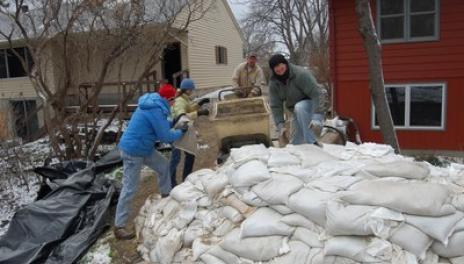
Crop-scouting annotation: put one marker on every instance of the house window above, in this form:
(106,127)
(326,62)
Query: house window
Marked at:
(221,55)
(416,106)
(10,64)
(408,20)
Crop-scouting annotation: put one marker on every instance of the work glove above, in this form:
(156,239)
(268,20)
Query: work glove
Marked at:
(183,127)
(203,101)
(316,126)
(204,112)
(283,135)
(174,122)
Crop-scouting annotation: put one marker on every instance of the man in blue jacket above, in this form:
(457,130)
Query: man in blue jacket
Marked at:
(149,123)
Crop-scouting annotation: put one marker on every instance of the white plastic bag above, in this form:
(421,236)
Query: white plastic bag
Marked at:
(186,192)
(232,214)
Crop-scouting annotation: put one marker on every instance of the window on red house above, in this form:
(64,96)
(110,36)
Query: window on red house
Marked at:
(416,106)
(408,20)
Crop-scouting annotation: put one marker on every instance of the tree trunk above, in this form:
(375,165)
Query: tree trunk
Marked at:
(376,83)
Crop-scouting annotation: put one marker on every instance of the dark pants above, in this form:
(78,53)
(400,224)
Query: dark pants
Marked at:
(175,159)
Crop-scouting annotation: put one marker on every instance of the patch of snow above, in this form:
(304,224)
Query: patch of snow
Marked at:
(99,253)
(14,195)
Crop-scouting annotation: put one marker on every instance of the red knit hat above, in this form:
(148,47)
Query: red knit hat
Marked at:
(167,91)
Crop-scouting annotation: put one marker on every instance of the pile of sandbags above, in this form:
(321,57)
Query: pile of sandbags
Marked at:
(305,204)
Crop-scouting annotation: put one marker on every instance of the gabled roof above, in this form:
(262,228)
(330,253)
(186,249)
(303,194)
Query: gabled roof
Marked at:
(234,20)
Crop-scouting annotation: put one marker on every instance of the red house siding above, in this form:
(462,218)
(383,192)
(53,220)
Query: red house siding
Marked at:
(414,62)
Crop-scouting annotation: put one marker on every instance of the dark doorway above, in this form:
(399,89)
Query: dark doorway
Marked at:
(26,123)
(172,61)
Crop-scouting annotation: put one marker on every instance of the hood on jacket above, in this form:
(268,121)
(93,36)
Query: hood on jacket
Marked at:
(154,100)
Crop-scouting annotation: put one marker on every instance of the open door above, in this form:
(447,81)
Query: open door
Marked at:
(172,61)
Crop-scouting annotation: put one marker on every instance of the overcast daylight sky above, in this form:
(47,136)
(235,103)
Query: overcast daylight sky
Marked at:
(238,9)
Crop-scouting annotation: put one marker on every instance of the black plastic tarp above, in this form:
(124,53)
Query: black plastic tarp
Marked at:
(60,227)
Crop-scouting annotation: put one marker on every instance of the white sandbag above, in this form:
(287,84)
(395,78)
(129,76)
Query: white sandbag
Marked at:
(249,152)
(454,249)
(400,256)
(316,256)
(282,158)
(210,259)
(412,197)
(223,255)
(196,176)
(277,189)
(193,231)
(298,254)
(214,184)
(459,226)
(264,222)
(297,220)
(254,248)
(334,183)
(348,220)
(168,246)
(282,209)
(201,245)
(183,256)
(252,199)
(186,192)
(383,220)
(296,171)
(311,204)
(170,208)
(458,260)
(232,214)
(235,202)
(366,250)
(185,215)
(400,168)
(439,228)
(225,227)
(248,174)
(308,237)
(457,200)
(310,154)
(411,239)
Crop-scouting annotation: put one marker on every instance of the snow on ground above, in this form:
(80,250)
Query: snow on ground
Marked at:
(99,253)
(14,195)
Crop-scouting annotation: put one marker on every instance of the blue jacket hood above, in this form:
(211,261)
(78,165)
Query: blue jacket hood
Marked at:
(154,100)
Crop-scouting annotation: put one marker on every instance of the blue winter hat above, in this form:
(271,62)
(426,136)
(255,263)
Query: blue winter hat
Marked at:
(187,84)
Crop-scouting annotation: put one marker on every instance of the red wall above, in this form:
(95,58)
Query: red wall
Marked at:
(413,62)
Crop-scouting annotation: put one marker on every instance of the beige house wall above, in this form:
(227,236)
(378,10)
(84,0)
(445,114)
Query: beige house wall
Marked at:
(217,28)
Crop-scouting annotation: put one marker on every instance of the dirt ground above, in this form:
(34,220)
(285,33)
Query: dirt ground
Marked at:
(123,252)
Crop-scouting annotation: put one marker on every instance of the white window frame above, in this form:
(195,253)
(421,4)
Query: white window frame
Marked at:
(5,58)
(407,111)
(406,24)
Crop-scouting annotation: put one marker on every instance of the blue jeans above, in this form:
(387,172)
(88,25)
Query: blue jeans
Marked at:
(132,166)
(302,117)
(175,159)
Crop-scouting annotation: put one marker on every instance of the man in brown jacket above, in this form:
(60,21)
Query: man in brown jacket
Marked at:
(247,75)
